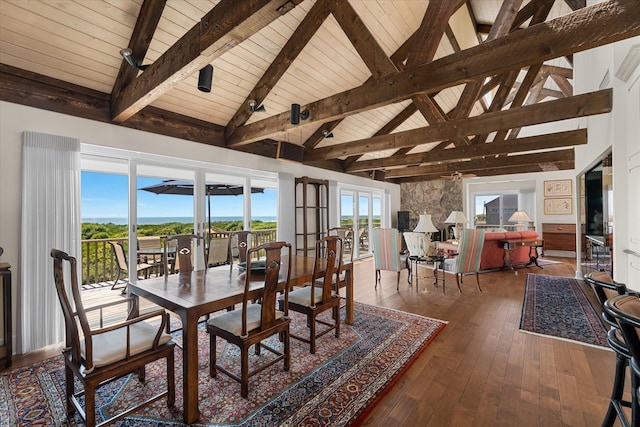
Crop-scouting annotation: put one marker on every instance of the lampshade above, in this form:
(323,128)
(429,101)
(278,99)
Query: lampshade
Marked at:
(425,225)
(519,216)
(456,217)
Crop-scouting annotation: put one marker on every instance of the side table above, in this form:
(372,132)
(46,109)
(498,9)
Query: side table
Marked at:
(5,273)
(436,260)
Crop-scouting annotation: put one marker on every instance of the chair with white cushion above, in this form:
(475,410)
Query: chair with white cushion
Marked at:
(254,323)
(94,357)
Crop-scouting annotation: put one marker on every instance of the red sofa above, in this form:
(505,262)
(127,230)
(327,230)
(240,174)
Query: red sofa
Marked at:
(493,252)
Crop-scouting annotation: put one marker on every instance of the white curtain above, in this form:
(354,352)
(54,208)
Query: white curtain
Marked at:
(50,219)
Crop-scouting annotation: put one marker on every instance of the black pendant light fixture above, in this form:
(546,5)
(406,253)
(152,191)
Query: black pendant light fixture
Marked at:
(205,78)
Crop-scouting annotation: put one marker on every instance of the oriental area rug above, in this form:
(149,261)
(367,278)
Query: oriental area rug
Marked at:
(336,386)
(558,307)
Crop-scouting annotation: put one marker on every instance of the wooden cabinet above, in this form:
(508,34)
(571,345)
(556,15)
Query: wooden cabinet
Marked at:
(312,213)
(559,237)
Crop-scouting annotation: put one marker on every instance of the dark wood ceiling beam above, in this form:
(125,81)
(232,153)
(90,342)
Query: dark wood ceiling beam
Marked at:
(146,24)
(590,27)
(362,40)
(229,23)
(46,93)
(576,4)
(560,71)
(532,77)
(576,106)
(281,63)
(563,83)
(532,98)
(508,170)
(530,143)
(474,165)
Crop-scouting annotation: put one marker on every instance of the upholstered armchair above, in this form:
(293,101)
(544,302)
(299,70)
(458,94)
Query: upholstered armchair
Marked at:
(467,260)
(388,254)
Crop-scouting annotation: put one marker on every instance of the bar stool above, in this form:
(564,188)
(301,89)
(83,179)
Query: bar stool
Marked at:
(605,288)
(626,310)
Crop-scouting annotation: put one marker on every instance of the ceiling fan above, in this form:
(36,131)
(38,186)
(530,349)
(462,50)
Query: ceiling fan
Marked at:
(457,176)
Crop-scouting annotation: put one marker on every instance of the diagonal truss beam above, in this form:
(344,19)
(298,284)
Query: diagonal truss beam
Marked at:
(229,23)
(590,27)
(566,108)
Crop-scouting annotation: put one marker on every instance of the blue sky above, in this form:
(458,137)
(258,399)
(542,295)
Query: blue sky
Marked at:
(105,196)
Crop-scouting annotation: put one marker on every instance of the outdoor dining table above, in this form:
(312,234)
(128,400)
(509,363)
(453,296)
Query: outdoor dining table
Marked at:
(192,295)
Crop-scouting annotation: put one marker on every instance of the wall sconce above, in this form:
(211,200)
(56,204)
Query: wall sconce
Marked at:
(457,218)
(520,217)
(255,108)
(127,55)
(327,134)
(205,78)
(296,114)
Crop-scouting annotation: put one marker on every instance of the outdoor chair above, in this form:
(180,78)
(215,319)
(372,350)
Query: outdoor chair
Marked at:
(388,254)
(150,249)
(218,251)
(319,295)
(467,260)
(625,309)
(123,266)
(95,357)
(254,323)
(605,288)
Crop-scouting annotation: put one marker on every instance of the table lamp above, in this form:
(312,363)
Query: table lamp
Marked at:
(520,217)
(425,225)
(457,218)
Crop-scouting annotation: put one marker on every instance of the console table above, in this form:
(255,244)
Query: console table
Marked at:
(5,273)
(533,244)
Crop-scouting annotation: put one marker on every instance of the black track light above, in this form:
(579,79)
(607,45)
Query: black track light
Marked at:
(127,55)
(296,114)
(327,134)
(205,78)
(255,108)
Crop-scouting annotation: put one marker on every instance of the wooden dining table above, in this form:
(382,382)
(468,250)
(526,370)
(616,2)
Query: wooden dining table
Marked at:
(192,295)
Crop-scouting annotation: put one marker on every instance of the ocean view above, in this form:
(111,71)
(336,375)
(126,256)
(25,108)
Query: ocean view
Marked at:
(163,220)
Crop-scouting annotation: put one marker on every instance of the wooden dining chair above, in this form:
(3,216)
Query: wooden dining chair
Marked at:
(239,243)
(344,233)
(255,322)
(123,267)
(185,246)
(625,309)
(94,357)
(320,295)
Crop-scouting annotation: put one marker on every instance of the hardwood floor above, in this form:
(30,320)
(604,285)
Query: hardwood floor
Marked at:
(480,370)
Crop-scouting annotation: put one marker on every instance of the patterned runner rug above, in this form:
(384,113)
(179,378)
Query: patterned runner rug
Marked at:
(558,307)
(336,386)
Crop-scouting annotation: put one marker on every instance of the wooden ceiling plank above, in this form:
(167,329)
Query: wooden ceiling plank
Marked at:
(530,143)
(146,24)
(590,27)
(226,25)
(474,165)
(566,108)
(362,40)
(279,66)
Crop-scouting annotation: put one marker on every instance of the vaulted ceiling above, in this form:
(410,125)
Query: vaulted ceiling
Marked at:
(406,90)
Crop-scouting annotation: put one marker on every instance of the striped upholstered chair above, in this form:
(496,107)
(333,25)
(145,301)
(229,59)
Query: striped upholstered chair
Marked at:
(468,258)
(387,252)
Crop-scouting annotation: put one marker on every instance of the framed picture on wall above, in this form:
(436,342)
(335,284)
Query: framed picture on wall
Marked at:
(557,188)
(560,206)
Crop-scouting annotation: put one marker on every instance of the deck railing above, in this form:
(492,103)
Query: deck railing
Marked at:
(99,264)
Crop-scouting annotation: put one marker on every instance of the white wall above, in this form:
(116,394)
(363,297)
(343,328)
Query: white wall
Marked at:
(15,119)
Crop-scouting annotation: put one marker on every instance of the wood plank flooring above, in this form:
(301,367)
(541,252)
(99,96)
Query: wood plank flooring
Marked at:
(480,370)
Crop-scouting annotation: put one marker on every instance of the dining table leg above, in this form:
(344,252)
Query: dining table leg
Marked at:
(190,366)
(349,313)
